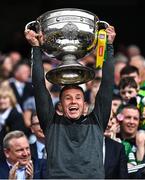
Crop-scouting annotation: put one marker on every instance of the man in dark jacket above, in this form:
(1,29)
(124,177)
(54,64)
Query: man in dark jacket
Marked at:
(74,142)
(18,163)
(115,160)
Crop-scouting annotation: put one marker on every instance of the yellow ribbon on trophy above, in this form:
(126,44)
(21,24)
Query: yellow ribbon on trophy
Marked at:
(101,48)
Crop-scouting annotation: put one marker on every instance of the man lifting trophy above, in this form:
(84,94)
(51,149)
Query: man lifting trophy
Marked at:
(74,140)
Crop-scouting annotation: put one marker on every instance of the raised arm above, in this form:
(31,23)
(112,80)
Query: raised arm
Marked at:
(104,96)
(44,105)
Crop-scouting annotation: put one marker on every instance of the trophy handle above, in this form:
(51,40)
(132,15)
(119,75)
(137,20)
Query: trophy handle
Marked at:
(105,24)
(33,24)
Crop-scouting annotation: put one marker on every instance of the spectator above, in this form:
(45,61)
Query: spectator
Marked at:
(128,89)
(38,145)
(5,67)
(20,83)
(92,86)
(10,118)
(115,166)
(28,109)
(139,62)
(15,57)
(113,128)
(54,91)
(133,50)
(131,71)
(115,160)
(120,62)
(116,102)
(129,128)
(18,163)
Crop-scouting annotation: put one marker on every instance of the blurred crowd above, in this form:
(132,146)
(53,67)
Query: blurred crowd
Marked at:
(127,119)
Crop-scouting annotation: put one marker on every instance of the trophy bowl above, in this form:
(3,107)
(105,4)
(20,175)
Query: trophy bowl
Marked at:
(68,35)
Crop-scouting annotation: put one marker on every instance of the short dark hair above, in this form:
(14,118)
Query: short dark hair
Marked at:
(19,64)
(57,105)
(70,87)
(128,106)
(116,97)
(128,70)
(128,81)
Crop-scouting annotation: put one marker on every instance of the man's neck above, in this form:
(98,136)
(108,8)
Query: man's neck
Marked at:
(126,136)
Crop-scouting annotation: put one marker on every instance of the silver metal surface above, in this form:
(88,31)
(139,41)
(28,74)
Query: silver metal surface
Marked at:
(68,34)
(67,31)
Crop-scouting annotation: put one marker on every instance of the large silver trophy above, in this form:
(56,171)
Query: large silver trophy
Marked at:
(68,35)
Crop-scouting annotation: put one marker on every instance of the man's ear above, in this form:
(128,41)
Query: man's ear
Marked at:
(6,152)
(120,117)
(86,108)
(60,109)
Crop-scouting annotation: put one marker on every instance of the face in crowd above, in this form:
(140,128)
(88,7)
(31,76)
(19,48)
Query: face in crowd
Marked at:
(127,93)
(130,122)
(134,75)
(18,151)
(35,127)
(7,99)
(115,105)
(112,126)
